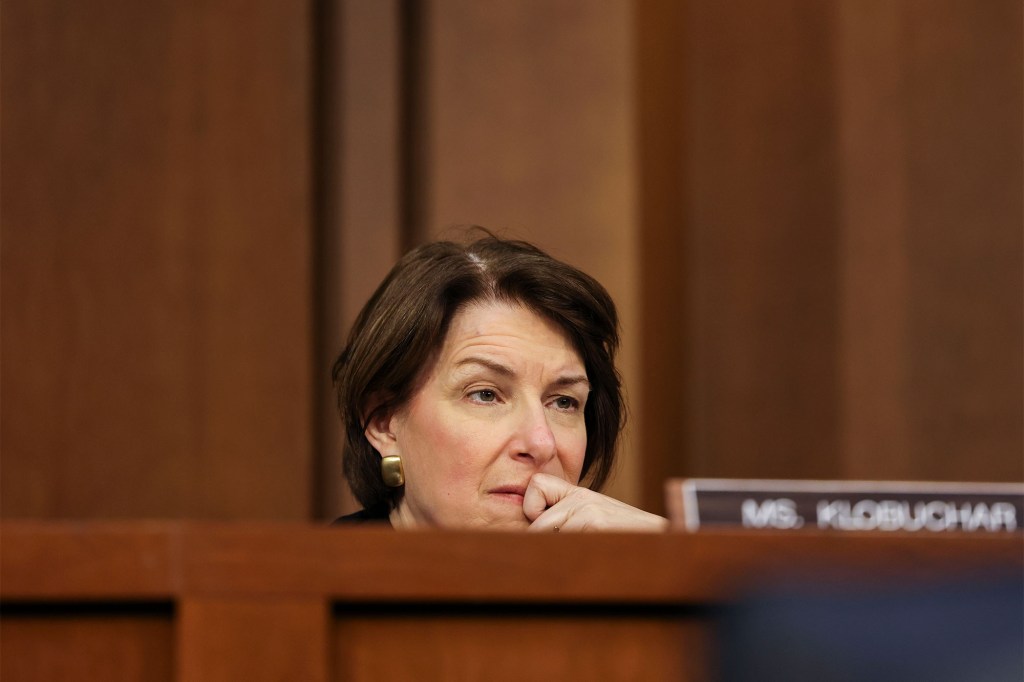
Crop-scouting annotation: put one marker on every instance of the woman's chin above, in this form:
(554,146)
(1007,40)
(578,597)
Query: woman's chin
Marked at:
(511,524)
(498,520)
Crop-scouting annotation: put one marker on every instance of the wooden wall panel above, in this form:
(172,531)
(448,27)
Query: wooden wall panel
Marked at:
(361,196)
(75,644)
(226,639)
(760,289)
(292,601)
(525,125)
(841,186)
(965,234)
(156,266)
(933,287)
(874,258)
(514,645)
(663,234)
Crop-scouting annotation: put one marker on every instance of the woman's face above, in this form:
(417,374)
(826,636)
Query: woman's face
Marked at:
(503,401)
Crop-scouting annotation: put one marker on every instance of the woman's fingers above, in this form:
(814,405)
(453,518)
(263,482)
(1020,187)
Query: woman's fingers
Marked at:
(553,505)
(544,491)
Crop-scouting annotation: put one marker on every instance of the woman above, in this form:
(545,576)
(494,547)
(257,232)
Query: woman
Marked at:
(478,389)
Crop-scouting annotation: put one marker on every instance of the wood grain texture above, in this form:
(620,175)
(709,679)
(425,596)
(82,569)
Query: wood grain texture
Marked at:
(82,561)
(671,568)
(361,197)
(875,259)
(224,639)
(512,646)
(847,221)
(75,561)
(78,647)
(761,287)
(958,111)
(664,231)
(933,207)
(255,601)
(156,273)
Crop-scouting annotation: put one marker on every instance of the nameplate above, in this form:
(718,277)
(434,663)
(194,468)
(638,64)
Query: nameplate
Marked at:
(881,506)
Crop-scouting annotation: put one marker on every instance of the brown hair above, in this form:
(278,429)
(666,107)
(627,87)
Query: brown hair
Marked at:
(400,331)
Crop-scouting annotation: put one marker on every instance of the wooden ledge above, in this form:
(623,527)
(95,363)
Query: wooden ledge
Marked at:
(169,560)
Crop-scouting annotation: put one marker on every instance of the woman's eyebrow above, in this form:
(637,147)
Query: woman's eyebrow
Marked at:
(496,367)
(573,381)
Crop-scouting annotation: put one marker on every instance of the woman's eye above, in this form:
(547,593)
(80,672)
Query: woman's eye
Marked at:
(484,395)
(564,402)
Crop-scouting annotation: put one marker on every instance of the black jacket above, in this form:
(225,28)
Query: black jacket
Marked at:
(372,515)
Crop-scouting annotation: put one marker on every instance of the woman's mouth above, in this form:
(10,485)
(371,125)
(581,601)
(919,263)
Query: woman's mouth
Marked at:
(512,494)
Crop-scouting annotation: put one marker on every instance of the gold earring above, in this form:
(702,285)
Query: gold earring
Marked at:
(392,472)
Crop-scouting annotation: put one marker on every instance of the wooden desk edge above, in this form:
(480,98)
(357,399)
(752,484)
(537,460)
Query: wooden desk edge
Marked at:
(168,560)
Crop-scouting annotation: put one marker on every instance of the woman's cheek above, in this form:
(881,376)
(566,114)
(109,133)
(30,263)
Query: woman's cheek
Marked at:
(573,445)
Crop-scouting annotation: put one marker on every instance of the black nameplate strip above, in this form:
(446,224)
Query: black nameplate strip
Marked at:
(886,506)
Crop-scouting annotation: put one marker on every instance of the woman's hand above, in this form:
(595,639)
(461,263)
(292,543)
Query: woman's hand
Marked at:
(553,504)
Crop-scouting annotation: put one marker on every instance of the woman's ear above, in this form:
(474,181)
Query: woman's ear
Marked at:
(380,432)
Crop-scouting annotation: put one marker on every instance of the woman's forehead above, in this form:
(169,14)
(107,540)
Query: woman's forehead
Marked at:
(492,330)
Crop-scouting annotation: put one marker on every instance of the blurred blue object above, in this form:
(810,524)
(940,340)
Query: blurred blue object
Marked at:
(969,631)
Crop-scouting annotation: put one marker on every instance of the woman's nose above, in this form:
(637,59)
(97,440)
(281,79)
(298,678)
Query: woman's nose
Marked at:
(535,439)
